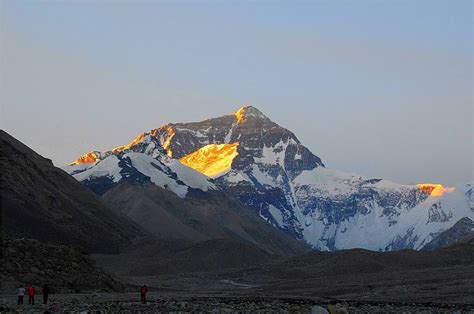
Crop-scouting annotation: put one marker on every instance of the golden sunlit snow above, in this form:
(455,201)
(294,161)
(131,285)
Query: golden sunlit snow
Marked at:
(434,189)
(165,142)
(88,158)
(212,159)
(240,115)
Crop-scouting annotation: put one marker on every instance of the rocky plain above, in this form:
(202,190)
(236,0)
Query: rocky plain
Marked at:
(172,302)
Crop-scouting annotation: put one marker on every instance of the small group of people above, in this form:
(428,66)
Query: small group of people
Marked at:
(30,291)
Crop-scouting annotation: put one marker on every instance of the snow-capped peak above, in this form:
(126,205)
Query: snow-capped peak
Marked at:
(246,112)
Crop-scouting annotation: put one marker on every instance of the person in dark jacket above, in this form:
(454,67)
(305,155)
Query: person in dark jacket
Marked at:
(45,293)
(31,294)
(143,292)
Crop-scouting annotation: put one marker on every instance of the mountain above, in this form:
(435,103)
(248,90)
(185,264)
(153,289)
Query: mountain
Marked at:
(265,166)
(43,202)
(172,200)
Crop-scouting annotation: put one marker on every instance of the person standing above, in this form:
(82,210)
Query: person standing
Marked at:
(21,294)
(45,293)
(31,294)
(143,292)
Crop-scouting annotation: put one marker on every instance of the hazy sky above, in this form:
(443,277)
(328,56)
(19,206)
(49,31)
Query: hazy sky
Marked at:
(381,88)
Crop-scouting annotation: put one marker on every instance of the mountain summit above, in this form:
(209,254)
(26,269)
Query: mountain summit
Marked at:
(249,157)
(249,112)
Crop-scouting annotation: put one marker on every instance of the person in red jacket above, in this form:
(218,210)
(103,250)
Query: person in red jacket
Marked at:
(143,292)
(31,294)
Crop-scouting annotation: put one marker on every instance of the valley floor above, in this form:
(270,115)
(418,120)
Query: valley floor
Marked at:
(169,302)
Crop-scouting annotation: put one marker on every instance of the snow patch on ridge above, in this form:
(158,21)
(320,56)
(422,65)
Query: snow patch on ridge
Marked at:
(277,215)
(107,167)
(328,181)
(274,155)
(191,177)
(147,166)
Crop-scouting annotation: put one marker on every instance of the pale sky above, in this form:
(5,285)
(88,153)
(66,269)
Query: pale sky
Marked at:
(380,88)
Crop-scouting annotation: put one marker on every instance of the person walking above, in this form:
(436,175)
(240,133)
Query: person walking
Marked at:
(21,294)
(45,293)
(31,294)
(143,292)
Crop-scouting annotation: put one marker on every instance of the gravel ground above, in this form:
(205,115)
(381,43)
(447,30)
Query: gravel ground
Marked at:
(129,303)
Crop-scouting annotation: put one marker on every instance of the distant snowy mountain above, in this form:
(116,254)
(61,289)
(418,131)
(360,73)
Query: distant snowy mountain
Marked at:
(345,211)
(265,166)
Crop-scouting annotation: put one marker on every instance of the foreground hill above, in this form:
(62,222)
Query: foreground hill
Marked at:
(43,202)
(442,276)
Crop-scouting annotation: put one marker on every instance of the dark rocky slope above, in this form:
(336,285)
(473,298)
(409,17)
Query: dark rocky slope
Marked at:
(64,268)
(200,216)
(43,202)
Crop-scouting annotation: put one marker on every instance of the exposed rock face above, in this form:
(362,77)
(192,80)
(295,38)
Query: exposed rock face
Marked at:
(290,188)
(43,202)
(64,268)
